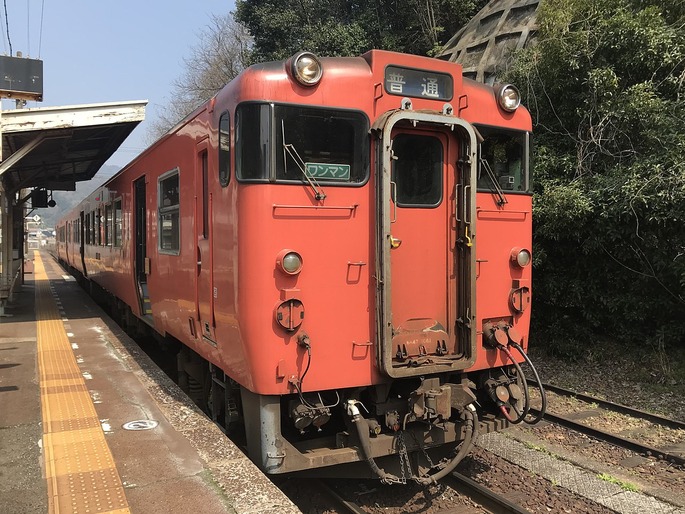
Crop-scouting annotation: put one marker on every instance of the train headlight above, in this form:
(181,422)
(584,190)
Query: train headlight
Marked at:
(289,261)
(520,257)
(508,97)
(306,68)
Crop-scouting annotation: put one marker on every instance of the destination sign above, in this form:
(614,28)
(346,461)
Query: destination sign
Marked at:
(328,171)
(418,83)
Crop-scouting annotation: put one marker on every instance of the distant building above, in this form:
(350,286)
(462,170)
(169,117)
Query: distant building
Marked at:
(37,236)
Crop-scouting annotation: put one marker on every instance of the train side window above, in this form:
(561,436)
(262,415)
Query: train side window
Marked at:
(224,149)
(94,226)
(108,225)
(252,141)
(117,223)
(417,171)
(169,212)
(87,229)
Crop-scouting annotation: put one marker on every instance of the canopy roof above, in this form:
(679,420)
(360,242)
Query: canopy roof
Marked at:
(55,147)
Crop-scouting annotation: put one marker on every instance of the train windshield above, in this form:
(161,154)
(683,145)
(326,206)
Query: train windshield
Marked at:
(303,143)
(504,161)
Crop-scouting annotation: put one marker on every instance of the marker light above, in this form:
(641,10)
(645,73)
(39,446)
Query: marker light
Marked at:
(520,257)
(289,261)
(508,97)
(306,68)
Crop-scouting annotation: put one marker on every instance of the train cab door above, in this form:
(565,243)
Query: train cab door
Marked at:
(425,168)
(82,242)
(68,238)
(141,261)
(204,284)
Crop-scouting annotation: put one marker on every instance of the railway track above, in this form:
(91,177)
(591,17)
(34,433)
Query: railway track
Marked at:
(597,407)
(487,499)
(329,491)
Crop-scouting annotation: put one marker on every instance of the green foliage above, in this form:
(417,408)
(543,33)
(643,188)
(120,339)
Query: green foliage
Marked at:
(336,28)
(219,55)
(626,486)
(605,84)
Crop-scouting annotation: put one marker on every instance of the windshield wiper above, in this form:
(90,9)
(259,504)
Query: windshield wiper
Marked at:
(498,191)
(289,149)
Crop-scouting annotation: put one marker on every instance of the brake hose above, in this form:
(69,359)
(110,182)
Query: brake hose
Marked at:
(365,444)
(543,394)
(470,437)
(526,403)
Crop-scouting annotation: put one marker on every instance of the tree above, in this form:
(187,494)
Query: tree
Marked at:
(605,84)
(337,27)
(218,57)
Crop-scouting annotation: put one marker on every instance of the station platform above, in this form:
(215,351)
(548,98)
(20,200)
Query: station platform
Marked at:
(89,424)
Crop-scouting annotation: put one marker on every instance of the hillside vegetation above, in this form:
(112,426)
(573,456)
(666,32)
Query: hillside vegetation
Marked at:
(606,87)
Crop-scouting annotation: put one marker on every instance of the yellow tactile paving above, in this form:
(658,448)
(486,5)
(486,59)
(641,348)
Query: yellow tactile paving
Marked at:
(80,470)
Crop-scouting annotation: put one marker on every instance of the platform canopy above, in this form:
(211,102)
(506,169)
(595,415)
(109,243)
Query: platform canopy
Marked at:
(55,147)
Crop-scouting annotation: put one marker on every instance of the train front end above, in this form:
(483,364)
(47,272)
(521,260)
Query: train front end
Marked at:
(384,220)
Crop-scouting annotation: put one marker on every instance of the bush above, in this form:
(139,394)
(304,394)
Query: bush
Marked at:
(605,84)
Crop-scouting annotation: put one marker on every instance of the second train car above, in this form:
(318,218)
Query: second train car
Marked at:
(341,249)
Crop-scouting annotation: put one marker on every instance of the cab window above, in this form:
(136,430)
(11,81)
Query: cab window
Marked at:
(505,153)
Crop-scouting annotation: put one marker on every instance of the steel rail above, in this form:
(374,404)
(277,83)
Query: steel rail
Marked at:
(615,407)
(332,493)
(488,499)
(614,439)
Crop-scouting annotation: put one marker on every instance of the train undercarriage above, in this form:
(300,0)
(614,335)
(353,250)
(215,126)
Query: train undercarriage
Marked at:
(407,429)
(412,429)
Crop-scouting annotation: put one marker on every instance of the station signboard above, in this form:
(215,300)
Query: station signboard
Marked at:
(21,78)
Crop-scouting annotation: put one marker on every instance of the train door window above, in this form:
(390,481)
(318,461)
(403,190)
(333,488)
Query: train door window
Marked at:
(417,170)
(224,149)
(252,141)
(87,231)
(117,223)
(504,162)
(169,212)
(205,195)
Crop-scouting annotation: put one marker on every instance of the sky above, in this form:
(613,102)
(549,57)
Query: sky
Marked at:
(96,51)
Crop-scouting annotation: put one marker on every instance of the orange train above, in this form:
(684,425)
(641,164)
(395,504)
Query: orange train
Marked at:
(340,251)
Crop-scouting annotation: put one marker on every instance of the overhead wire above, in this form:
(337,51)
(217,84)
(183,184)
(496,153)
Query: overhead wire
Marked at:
(7,24)
(28,27)
(4,38)
(40,36)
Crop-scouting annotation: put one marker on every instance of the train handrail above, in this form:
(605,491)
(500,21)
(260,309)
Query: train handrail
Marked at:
(350,208)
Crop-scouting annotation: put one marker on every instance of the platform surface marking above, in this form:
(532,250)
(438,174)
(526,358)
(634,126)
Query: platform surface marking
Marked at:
(79,468)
